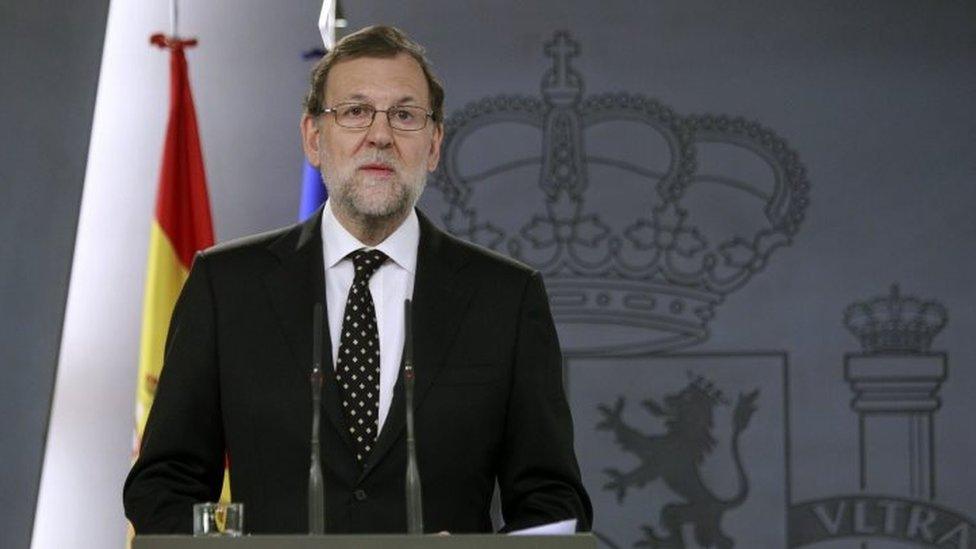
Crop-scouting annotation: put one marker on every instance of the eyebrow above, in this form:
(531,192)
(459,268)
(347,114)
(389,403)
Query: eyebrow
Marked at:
(358,97)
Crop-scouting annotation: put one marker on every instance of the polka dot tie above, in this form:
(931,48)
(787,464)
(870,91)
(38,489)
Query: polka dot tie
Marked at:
(358,365)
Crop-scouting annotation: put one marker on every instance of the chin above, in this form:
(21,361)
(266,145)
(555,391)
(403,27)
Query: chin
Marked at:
(370,200)
(386,208)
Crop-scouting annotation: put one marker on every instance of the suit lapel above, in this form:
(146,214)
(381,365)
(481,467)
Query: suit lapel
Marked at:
(294,287)
(439,302)
(438,305)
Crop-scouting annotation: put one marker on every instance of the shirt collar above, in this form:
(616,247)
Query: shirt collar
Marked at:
(400,247)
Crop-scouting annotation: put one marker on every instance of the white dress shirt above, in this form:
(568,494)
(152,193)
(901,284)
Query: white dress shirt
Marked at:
(390,286)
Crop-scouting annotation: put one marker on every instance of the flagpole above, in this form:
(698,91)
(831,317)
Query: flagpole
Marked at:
(173,19)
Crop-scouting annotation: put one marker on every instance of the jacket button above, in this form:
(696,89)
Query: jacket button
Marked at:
(360,495)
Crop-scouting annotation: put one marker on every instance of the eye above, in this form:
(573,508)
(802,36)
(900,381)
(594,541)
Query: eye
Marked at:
(355,111)
(404,115)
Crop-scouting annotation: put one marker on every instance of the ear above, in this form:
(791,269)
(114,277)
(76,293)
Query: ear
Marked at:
(435,147)
(310,138)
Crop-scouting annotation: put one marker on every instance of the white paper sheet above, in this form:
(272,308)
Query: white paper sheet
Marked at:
(561,528)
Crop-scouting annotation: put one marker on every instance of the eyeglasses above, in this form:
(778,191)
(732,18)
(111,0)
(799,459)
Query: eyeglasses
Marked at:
(361,115)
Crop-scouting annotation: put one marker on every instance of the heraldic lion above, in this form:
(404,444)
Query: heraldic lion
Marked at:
(676,457)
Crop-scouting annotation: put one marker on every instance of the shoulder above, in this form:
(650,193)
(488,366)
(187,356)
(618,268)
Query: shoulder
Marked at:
(482,259)
(252,243)
(476,264)
(263,249)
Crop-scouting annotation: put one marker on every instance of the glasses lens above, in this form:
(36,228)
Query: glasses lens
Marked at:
(354,115)
(360,115)
(407,118)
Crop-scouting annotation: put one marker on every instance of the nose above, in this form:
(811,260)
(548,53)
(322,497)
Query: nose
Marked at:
(380,134)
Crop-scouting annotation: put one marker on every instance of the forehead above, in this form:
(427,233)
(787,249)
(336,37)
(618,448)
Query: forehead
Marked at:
(377,79)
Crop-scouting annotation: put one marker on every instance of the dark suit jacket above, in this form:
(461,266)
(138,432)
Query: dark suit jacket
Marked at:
(489,397)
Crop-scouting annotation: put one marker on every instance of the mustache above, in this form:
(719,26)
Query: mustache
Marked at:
(377,157)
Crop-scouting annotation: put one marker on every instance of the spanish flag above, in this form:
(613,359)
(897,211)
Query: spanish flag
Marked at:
(181,226)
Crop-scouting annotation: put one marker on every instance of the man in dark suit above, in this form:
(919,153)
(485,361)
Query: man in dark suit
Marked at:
(489,401)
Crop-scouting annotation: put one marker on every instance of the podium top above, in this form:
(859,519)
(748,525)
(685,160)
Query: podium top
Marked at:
(369,541)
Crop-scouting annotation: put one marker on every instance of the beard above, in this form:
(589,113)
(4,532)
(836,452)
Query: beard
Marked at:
(368,199)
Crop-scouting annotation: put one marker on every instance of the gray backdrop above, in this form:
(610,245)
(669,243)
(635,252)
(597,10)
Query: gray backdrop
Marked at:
(738,176)
(49,62)
(830,156)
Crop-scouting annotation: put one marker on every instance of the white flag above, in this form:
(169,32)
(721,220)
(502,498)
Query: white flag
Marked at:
(327,23)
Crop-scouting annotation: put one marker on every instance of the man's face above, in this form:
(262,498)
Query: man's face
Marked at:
(376,172)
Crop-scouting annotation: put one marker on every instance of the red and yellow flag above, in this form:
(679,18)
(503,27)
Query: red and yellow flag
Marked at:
(182,226)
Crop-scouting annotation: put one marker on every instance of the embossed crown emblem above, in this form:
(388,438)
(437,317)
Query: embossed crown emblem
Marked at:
(896,324)
(640,219)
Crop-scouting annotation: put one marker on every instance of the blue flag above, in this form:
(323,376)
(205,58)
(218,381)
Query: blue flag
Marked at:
(313,192)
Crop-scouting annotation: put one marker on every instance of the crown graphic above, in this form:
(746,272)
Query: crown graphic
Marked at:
(895,323)
(641,220)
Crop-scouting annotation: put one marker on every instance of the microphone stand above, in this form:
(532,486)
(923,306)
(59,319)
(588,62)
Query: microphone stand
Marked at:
(316,485)
(415,512)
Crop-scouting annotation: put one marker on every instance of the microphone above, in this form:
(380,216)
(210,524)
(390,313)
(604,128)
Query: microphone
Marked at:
(316,486)
(415,506)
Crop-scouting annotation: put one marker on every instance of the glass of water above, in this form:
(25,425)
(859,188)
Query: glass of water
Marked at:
(218,519)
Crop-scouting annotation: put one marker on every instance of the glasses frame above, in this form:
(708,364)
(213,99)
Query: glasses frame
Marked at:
(389,119)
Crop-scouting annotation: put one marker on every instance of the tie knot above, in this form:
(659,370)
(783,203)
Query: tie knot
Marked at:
(366,262)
